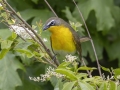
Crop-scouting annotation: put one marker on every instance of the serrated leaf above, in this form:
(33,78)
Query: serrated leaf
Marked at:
(68,85)
(85,86)
(9,78)
(69,14)
(69,74)
(35,13)
(102,10)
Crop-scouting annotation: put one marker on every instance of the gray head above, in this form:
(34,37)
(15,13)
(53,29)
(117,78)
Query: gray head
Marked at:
(53,21)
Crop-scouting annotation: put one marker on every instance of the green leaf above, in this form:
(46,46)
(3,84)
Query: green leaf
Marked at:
(32,47)
(22,45)
(98,46)
(3,53)
(57,83)
(117,72)
(105,69)
(69,14)
(69,74)
(21,5)
(89,79)
(81,75)
(6,44)
(118,88)
(5,33)
(35,1)
(113,50)
(5,15)
(86,68)
(12,37)
(64,65)
(103,86)
(112,85)
(102,10)
(85,86)
(75,88)
(33,70)
(26,52)
(35,13)
(9,78)
(68,85)
(96,79)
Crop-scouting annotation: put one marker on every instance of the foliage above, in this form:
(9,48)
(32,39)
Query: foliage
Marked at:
(20,60)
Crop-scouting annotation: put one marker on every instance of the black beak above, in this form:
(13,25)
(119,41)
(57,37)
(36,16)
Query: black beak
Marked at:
(45,27)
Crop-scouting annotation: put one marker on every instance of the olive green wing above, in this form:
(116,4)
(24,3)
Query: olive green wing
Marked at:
(51,45)
(76,39)
(77,44)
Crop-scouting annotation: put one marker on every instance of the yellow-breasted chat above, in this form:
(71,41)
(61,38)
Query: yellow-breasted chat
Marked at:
(64,39)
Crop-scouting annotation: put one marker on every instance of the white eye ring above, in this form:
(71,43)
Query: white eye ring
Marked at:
(51,23)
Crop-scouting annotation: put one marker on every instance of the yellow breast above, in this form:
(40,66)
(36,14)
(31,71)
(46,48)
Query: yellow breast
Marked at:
(62,39)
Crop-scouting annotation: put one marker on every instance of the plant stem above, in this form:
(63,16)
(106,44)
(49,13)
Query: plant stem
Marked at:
(99,69)
(50,8)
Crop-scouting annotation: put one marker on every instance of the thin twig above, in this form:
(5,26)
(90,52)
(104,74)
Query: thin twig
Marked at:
(89,73)
(50,62)
(99,69)
(47,61)
(39,44)
(29,27)
(50,8)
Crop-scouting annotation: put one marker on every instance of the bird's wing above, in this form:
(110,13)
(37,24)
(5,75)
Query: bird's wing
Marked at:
(76,38)
(77,43)
(51,45)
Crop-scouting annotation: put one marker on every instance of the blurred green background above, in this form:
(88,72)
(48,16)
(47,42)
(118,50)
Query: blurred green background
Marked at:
(103,21)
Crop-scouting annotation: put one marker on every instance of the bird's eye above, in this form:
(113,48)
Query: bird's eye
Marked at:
(52,23)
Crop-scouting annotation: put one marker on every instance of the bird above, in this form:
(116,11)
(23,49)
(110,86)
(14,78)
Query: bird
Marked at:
(64,39)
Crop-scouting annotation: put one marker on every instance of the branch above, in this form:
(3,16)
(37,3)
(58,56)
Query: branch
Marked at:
(30,28)
(50,8)
(99,69)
